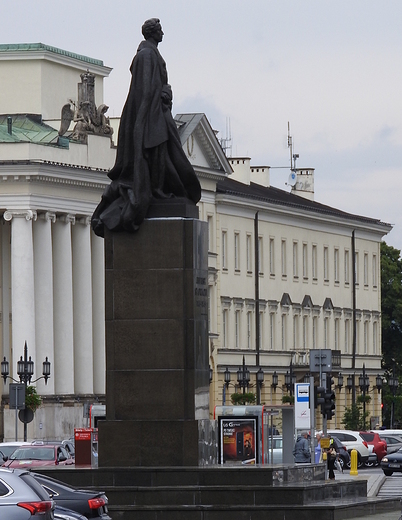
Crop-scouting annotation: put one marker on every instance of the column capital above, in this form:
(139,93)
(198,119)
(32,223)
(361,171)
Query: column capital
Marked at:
(85,221)
(28,214)
(48,216)
(68,218)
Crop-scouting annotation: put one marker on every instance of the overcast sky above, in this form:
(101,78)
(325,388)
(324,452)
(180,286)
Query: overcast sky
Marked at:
(332,69)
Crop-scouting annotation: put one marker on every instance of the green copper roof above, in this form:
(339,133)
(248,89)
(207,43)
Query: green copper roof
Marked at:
(7,47)
(27,128)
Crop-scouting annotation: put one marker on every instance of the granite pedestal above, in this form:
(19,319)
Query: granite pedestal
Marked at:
(157,372)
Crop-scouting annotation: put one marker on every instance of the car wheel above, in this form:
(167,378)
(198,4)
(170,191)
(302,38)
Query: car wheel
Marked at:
(369,464)
(387,473)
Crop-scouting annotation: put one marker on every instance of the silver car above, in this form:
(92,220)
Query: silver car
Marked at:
(22,498)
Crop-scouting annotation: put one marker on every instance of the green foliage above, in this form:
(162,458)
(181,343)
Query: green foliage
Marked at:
(354,418)
(288,399)
(391,323)
(363,398)
(247,398)
(32,399)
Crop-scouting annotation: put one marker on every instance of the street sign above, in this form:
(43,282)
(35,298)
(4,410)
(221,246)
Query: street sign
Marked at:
(320,361)
(17,396)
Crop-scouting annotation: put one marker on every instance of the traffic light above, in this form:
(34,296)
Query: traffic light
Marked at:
(319,400)
(329,400)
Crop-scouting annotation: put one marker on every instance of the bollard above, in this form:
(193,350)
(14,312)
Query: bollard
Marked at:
(353,462)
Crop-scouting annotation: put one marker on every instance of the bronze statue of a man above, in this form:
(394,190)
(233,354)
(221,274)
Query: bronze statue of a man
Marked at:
(150,162)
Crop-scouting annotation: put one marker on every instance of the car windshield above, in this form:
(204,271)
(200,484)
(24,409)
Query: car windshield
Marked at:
(33,454)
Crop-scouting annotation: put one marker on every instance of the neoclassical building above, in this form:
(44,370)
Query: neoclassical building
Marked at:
(56,147)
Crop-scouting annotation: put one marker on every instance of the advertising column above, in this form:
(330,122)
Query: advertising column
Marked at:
(238,440)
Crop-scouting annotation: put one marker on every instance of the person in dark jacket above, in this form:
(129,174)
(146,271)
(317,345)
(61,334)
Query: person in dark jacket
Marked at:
(301,451)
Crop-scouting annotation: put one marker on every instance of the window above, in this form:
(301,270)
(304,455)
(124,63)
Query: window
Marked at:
(249,329)
(326,330)
(347,281)
(295,259)
(225,315)
(224,250)
(347,336)
(305,333)
(237,251)
(375,337)
(283,257)
(272,331)
(237,329)
(249,253)
(271,256)
(325,264)
(260,336)
(336,334)
(260,256)
(357,268)
(305,262)
(366,336)
(210,222)
(295,332)
(374,267)
(314,262)
(283,324)
(315,332)
(365,269)
(336,265)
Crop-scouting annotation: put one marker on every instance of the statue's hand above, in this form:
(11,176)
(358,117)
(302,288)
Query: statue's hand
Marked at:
(167,95)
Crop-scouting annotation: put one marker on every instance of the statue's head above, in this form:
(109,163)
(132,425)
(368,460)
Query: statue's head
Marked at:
(151,28)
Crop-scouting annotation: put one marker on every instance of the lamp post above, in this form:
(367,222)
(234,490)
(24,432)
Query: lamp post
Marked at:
(364,384)
(25,371)
(393,383)
(243,376)
(290,379)
(340,381)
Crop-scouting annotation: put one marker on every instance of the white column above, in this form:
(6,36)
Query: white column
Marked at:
(98,313)
(63,305)
(22,284)
(6,284)
(43,271)
(82,305)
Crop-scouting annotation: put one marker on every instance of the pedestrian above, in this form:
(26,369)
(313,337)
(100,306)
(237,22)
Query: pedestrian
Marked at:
(331,457)
(301,451)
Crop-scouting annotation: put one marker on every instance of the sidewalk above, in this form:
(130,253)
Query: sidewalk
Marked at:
(374,482)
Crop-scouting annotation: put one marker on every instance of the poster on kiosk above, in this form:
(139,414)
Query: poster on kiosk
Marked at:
(238,440)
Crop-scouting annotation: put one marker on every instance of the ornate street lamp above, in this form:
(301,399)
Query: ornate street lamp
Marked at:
(243,376)
(393,384)
(25,371)
(364,384)
(349,382)
(274,383)
(260,377)
(290,379)
(378,383)
(340,381)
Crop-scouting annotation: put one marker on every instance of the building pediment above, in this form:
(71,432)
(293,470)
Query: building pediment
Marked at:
(202,147)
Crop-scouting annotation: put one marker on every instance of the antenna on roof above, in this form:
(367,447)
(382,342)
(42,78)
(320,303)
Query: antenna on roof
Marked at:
(293,157)
(226,142)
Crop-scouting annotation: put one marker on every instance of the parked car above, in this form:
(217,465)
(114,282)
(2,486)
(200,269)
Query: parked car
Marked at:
(392,463)
(22,498)
(7,448)
(61,513)
(379,446)
(353,441)
(36,455)
(344,456)
(394,442)
(92,504)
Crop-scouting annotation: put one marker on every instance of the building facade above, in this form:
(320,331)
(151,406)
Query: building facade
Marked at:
(303,292)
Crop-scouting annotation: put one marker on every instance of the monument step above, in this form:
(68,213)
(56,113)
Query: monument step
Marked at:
(230,495)
(328,510)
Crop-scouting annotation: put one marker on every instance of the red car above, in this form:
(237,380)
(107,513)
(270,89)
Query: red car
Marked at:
(39,455)
(379,445)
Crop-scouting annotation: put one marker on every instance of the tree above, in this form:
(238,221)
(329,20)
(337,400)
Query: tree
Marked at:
(354,418)
(391,312)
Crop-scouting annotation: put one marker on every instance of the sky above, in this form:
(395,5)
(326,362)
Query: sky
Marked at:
(329,68)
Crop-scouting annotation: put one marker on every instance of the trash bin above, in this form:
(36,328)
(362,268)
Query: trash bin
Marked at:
(84,445)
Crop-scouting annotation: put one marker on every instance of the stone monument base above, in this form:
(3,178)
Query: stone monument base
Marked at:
(157,371)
